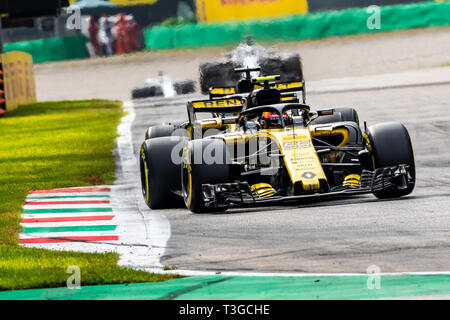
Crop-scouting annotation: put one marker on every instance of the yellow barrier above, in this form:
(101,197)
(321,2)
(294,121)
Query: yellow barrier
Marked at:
(126,2)
(18,79)
(222,10)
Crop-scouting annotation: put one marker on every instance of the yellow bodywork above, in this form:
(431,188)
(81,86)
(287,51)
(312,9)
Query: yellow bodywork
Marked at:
(227,90)
(300,157)
(352,181)
(219,103)
(207,124)
(299,154)
(263,190)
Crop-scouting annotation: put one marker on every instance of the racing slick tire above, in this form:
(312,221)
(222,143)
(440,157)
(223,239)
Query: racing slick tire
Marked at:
(160,173)
(348,114)
(196,172)
(290,68)
(184,87)
(163,130)
(339,115)
(391,145)
(217,74)
(146,92)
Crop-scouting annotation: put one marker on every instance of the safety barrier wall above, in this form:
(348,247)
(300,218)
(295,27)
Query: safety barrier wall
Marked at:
(299,27)
(53,49)
(223,10)
(18,84)
(322,5)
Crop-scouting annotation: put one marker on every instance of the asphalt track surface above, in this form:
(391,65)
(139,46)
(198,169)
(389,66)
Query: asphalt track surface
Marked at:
(336,57)
(410,234)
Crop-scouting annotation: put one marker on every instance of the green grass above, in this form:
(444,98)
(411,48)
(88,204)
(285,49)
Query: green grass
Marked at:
(25,268)
(55,145)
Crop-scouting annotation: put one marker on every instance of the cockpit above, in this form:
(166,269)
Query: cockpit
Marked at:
(274,117)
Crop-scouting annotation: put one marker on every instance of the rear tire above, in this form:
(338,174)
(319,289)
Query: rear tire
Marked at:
(391,146)
(196,172)
(217,74)
(160,174)
(339,115)
(348,114)
(184,87)
(146,92)
(164,130)
(290,69)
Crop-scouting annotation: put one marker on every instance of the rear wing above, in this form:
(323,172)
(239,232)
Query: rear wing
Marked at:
(287,86)
(222,92)
(291,86)
(224,105)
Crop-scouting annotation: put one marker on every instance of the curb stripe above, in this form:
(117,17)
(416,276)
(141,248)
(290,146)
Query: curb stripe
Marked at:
(74,214)
(75,190)
(70,229)
(66,210)
(70,239)
(67,219)
(42,203)
(71,196)
(64,235)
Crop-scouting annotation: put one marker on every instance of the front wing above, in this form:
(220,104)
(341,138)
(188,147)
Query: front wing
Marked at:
(239,194)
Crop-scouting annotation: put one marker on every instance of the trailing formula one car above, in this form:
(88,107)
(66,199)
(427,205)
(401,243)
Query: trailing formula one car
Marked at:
(249,55)
(163,86)
(258,149)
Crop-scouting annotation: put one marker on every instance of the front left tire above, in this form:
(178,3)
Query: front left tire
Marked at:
(160,165)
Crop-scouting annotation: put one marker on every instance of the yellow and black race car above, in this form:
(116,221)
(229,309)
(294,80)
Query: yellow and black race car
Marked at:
(259,149)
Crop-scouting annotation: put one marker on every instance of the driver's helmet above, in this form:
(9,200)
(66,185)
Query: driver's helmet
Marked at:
(249,41)
(272,119)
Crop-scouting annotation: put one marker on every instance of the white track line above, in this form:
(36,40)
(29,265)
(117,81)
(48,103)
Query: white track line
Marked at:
(145,233)
(281,274)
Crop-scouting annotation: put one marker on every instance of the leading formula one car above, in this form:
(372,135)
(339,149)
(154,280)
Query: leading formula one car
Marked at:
(220,73)
(258,150)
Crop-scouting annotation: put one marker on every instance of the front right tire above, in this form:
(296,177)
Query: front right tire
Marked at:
(204,161)
(390,145)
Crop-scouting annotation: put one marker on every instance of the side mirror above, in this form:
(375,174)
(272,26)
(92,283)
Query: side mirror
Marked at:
(364,159)
(328,112)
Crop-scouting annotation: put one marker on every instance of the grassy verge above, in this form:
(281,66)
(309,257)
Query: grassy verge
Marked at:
(26,268)
(55,145)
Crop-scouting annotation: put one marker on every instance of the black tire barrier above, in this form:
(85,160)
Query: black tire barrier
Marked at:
(146,92)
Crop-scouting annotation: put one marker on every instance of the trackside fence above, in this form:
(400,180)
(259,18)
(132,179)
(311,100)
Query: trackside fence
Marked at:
(300,27)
